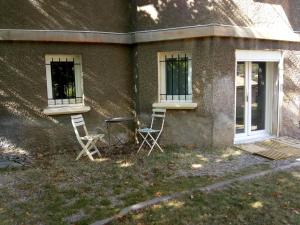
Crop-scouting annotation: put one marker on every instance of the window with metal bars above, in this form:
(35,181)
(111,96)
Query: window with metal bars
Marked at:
(175,77)
(64,80)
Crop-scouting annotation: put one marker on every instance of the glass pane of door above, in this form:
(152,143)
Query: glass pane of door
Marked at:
(240,98)
(258,96)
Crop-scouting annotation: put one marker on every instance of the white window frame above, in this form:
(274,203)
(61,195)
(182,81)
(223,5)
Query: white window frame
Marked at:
(262,56)
(78,80)
(162,78)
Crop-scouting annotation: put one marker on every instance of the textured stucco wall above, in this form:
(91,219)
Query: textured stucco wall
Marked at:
(108,84)
(184,127)
(154,14)
(223,86)
(110,71)
(121,16)
(290,7)
(99,15)
(212,123)
(291,89)
(23,92)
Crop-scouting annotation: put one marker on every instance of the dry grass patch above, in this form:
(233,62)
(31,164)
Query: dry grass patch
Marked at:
(60,190)
(274,199)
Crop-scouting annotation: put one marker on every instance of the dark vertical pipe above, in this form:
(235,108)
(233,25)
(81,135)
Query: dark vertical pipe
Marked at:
(166,78)
(172,77)
(178,76)
(185,75)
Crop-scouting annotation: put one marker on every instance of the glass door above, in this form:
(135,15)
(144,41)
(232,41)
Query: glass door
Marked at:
(240,127)
(258,96)
(250,98)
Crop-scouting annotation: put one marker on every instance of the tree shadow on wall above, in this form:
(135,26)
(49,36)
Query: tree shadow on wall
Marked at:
(24,128)
(156,14)
(291,90)
(291,9)
(23,95)
(67,14)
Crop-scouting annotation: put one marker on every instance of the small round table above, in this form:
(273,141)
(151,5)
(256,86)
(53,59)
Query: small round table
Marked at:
(113,120)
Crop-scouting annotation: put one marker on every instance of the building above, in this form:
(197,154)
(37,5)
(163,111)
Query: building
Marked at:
(228,71)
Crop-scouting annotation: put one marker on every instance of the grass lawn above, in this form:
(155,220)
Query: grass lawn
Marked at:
(59,190)
(274,199)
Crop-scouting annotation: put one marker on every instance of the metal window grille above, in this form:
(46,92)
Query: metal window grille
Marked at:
(63,82)
(177,87)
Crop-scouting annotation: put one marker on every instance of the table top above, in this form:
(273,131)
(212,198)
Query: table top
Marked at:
(118,119)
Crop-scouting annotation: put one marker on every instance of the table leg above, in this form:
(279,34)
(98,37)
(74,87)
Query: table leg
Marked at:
(108,134)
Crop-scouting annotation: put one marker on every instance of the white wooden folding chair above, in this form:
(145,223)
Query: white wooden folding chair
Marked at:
(151,135)
(90,140)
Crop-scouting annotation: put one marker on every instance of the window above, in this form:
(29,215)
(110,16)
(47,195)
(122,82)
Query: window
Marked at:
(175,76)
(64,81)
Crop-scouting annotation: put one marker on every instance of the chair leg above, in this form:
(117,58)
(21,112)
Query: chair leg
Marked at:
(140,147)
(155,143)
(148,143)
(150,150)
(85,150)
(80,154)
(159,147)
(90,156)
(95,147)
(144,140)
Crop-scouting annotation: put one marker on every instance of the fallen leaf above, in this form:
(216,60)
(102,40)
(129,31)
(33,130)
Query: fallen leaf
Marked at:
(157,194)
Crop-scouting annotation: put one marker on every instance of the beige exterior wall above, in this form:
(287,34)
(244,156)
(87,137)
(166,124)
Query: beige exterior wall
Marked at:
(23,93)
(291,89)
(115,15)
(92,15)
(269,14)
(111,70)
(223,86)
(108,84)
(183,127)
(213,121)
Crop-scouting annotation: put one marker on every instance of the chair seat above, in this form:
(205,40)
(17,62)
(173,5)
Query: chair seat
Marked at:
(148,130)
(92,137)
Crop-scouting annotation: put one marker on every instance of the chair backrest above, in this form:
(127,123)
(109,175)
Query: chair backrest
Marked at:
(78,121)
(158,113)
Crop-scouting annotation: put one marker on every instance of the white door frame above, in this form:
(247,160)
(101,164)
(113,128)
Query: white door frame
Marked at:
(249,56)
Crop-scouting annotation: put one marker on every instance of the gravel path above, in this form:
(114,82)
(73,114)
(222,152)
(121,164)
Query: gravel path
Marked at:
(11,153)
(218,167)
(10,157)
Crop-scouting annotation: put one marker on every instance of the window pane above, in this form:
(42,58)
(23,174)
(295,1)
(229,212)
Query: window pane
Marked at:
(258,96)
(240,98)
(63,80)
(177,76)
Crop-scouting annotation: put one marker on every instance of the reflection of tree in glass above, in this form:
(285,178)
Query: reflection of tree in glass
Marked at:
(177,76)
(63,80)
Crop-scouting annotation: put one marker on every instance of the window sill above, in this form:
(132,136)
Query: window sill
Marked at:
(175,105)
(60,110)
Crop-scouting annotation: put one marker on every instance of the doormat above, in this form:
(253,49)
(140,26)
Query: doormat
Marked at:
(274,154)
(275,149)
